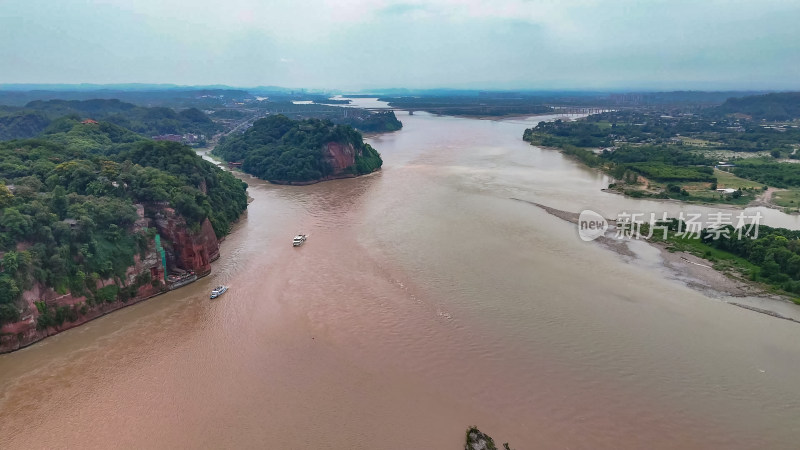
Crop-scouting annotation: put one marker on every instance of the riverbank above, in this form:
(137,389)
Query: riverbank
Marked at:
(767,200)
(695,195)
(242,173)
(47,312)
(694,271)
(12,340)
(343,176)
(755,202)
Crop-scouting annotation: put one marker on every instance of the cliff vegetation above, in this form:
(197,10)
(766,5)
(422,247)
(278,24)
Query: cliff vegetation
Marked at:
(71,207)
(280,149)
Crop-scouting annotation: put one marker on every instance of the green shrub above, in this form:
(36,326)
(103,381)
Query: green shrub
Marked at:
(108,293)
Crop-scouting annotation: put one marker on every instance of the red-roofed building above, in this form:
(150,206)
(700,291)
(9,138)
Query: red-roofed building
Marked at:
(89,122)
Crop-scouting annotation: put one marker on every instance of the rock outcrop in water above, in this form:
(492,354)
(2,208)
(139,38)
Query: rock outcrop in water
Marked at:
(476,440)
(47,312)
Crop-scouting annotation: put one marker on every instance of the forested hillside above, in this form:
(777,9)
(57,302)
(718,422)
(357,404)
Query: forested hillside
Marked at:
(36,116)
(280,149)
(16,124)
(67,202)
(778,106)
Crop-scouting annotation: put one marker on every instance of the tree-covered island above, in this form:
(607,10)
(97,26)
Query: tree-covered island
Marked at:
(282,150)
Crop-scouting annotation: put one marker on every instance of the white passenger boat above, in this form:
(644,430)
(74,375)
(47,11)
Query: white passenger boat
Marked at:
(219,290)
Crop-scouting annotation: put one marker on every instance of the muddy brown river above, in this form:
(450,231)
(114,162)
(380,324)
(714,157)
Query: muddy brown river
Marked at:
(425,300)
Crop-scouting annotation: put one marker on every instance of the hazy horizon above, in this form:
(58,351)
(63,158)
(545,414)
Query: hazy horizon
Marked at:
(387,91)
(358,45)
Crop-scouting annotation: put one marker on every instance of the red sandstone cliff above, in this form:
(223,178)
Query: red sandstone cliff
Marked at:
(188,251)
(25,332)
(340,156)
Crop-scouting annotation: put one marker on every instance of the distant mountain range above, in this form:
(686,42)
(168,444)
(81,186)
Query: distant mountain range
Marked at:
(38,116)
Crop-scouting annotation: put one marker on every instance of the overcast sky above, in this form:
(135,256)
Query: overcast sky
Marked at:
(354,44)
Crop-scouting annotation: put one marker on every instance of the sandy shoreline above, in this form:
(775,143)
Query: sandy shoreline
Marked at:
(695,272)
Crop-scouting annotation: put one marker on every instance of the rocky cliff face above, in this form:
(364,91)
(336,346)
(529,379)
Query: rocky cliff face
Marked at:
(340,156)
(187,250)
(25,332)
(191,251)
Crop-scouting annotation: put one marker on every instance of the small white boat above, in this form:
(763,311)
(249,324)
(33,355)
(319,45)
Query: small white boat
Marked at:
(299,240)
(219,290)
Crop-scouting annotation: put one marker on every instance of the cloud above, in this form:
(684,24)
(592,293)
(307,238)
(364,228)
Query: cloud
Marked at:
(411,43)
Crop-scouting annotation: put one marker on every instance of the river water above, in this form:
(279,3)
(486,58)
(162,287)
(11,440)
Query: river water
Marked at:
(425,300)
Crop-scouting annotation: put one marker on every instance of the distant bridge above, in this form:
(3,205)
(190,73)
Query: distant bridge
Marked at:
(488,109)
